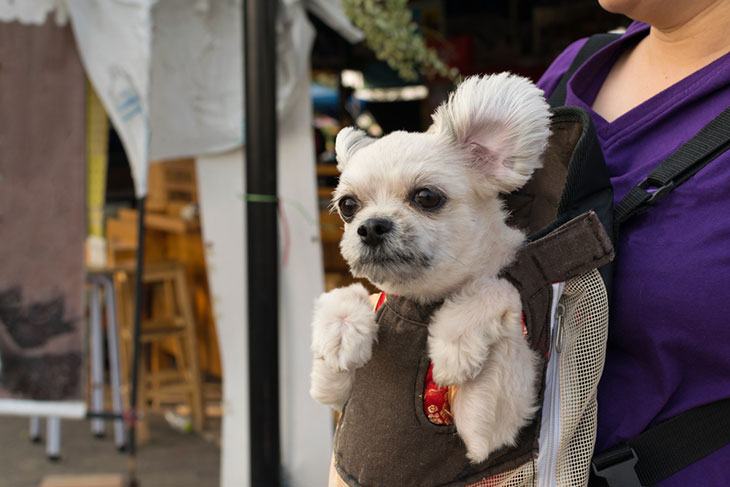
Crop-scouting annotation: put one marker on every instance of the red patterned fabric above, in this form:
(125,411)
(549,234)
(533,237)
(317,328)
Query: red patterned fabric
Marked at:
(381,300)
(436,401)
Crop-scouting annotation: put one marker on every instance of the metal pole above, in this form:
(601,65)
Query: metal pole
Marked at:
(138,302)
(259,46)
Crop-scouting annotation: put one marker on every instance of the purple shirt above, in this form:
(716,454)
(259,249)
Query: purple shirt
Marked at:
(669,335)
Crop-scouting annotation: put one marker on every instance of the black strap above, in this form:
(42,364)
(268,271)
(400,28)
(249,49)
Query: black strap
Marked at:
(593,45)
(703,148)
(665,449)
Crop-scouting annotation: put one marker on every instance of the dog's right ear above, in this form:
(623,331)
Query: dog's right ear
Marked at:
(503,122)
(349,141)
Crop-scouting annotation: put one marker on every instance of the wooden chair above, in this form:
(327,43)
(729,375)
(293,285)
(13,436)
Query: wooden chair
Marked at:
(170,367)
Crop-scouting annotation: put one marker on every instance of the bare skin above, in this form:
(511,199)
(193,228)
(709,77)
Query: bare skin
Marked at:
(685,36)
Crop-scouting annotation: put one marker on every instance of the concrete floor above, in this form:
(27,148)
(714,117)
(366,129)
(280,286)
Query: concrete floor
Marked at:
(169,459)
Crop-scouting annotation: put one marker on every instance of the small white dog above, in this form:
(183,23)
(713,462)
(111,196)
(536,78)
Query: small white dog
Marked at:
(423,220)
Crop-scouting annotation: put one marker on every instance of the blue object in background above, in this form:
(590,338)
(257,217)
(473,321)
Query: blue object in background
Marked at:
(325,100)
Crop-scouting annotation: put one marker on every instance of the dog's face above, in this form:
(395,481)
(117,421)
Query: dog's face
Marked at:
(421,210)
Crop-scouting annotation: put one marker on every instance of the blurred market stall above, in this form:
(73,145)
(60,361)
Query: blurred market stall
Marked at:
(169,76)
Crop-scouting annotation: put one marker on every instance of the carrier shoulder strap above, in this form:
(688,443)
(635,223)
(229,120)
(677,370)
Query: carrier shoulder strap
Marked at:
(666,448)
(594,44)
(711,141)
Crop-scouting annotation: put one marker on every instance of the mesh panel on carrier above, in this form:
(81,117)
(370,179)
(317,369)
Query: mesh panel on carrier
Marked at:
(583,349)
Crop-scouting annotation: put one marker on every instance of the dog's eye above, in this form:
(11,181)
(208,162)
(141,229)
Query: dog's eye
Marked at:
(428,199)
(348,207)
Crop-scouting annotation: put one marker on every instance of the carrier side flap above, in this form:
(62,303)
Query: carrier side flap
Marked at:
(570,250)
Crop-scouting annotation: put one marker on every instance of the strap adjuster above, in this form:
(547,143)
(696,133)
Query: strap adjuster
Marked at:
(655,193)
(617,466)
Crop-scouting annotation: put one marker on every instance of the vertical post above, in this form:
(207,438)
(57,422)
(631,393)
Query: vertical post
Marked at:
(259,46)
(133,380)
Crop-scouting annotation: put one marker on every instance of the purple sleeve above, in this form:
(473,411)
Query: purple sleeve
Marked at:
(551,77)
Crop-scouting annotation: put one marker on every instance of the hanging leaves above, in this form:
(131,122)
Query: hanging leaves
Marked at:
(394,38)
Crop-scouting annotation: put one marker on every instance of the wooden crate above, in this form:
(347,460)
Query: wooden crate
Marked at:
(170,184)
(121,234)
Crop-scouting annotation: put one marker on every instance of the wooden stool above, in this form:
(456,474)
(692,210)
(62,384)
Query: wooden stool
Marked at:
(169,326)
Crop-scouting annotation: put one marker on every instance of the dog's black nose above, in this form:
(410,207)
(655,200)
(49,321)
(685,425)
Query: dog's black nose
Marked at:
(373,230)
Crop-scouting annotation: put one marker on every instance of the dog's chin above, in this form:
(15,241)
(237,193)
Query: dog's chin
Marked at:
(391,267)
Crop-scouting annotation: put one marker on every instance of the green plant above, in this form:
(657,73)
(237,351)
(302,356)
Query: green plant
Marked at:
(394,38)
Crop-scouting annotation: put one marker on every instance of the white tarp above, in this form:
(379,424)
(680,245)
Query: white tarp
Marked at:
(168,73)
(32,12)
(114,39)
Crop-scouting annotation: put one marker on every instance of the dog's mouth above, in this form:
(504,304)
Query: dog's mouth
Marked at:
(390,264)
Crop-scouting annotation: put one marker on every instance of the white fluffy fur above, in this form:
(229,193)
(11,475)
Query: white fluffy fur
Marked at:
(476,342)
(502,117)
(486,139)
(348,141)
(343,332)
(490,409)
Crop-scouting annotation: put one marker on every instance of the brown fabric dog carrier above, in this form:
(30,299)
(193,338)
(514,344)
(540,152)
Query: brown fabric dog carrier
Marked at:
(384,438)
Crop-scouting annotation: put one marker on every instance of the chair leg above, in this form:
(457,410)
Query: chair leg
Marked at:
(191,351)
(35,429)
(154,376)
(143,431)
(124,313)
(53,438)
(97,361)
(114,368)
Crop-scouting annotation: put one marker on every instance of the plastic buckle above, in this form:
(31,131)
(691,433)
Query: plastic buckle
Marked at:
(617,466)
(658,192)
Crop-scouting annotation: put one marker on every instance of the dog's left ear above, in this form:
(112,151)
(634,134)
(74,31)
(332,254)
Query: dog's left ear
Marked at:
(502,121)
(349,140)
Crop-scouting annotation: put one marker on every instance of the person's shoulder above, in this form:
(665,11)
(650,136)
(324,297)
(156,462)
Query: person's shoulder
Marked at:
(551,77)
(560,65)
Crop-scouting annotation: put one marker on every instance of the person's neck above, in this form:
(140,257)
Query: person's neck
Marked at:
(696,40)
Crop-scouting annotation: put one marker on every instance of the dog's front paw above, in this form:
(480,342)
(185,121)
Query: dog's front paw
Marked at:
(458,342)
(344,328)
(456,360)
(328,386)
(466,327)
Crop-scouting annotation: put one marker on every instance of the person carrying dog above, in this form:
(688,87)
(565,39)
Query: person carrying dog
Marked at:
(648,92)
